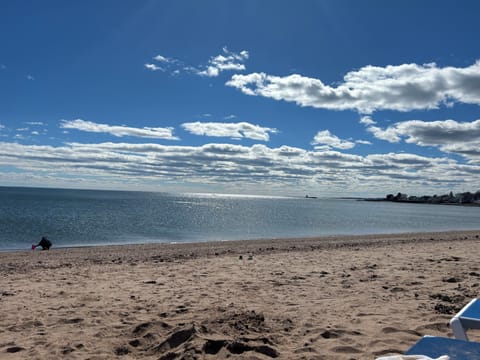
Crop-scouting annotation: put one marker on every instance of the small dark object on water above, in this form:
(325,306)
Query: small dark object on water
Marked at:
(44,243)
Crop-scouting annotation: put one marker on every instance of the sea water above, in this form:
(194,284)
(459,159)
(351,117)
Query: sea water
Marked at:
(91,217)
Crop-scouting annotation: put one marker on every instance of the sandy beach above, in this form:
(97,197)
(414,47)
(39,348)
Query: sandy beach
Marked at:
(353,297)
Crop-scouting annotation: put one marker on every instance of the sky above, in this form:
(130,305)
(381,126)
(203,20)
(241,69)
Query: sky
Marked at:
(272,97)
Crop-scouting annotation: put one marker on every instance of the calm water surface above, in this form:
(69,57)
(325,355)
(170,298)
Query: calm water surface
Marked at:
(86,217)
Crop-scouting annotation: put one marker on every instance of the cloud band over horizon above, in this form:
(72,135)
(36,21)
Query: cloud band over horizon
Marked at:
(227,164)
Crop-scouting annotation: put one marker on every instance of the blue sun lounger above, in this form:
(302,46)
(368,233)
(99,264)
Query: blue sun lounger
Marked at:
(467,318)
(434,347)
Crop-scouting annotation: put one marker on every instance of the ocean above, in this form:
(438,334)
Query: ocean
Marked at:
(92,217)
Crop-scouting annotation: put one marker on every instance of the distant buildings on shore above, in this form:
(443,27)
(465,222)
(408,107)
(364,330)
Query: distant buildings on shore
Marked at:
(459,199)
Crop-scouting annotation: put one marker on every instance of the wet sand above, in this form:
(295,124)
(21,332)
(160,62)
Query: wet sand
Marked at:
(354,297)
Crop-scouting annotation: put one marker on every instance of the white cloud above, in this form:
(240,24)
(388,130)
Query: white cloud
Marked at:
(153,67)
(401,159)
(327,140)
(226,61)
(36,123)
(163,59)
(119,131)
(210,71)
(30,77)
(2,126)
(430,133)
(363,142)
(367,120)
(451,136)
(439,132)
(403,87)
(284,168)
(389,134)
(230,61)
(232,130)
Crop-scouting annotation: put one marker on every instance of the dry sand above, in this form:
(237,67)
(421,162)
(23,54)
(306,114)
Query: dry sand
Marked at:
(326,298)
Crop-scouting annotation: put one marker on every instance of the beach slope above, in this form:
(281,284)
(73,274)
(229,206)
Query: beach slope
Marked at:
(353,297)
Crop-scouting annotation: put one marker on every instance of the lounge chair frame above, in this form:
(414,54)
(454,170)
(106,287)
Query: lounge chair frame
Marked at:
(465,319)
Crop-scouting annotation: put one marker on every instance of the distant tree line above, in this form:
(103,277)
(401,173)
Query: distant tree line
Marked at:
(460,198)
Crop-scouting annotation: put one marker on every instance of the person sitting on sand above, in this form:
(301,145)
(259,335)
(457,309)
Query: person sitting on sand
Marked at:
(44,243)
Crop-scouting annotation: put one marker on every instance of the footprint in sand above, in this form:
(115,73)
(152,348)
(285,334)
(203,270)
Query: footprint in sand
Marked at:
(437,326)
(392,330)
(346,350)
(72,320)
(14,349)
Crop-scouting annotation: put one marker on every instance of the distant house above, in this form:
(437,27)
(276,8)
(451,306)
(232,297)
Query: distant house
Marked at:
(460,198)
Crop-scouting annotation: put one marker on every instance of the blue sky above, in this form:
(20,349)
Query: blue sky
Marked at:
(329,98)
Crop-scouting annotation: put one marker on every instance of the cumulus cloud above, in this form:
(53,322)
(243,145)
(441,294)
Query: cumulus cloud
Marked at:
(439,132)
(166,64)
(153,67)
(327,140)
(233,130)
(389,134)
(367,120)
(403,87)
(227,61)
(430,133)
(450,136)
(163,59)
(119,131)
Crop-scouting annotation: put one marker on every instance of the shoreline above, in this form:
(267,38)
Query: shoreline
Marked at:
(287,243)
(348,297)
